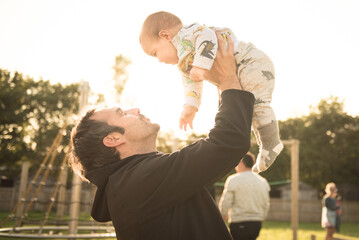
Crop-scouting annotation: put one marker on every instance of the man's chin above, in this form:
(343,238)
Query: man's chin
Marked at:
(156,127)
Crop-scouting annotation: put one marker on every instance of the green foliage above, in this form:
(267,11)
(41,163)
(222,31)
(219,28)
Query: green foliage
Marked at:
(192,138)
(32,113)
(328,146)
(120,74)
(165,142)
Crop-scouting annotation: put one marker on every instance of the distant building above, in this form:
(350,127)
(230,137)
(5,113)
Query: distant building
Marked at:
(306,192)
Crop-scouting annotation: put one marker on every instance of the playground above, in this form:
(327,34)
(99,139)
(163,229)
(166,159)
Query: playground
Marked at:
(58,215)
(49,204)
(78,44)
(29,195)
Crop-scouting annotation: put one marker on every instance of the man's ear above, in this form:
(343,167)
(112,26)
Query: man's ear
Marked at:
(165,35)
(113,139)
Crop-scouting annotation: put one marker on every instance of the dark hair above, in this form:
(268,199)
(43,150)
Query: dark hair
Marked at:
(87,149)
(248,160)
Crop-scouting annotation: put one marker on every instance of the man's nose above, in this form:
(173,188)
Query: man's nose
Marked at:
(133,111)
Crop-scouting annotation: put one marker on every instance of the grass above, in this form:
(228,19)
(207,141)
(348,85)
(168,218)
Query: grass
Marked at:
(271,230)
(282,230)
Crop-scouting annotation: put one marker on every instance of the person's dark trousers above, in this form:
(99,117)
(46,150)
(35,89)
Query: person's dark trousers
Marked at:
(245,230)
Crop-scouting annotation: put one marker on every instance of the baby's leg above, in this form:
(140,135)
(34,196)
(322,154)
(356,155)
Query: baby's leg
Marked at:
(268,140)
(256,74)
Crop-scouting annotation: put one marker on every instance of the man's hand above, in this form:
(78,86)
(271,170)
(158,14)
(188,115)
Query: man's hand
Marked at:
(197,74)
(223,72)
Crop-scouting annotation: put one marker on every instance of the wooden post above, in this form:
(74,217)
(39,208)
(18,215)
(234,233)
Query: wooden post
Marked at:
(294,186)
(76,181)
(75,204)
(22,188)
(62,195)
(294,157)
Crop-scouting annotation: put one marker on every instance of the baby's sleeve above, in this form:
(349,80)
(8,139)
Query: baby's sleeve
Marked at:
(206,48)
(192,92)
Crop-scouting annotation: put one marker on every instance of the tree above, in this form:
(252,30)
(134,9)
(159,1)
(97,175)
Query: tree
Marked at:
(328,146)
(120,74)
(32,113)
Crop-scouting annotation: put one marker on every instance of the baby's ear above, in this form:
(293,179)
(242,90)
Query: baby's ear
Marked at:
(165,35)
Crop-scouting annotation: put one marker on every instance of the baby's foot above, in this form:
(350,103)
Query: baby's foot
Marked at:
(266,158)
(270,146)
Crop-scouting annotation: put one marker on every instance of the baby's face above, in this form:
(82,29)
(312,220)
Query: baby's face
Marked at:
(160,48)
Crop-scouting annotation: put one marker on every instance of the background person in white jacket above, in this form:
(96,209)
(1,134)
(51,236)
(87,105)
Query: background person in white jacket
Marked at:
(245,200)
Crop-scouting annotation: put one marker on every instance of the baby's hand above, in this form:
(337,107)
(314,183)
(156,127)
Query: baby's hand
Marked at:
(197,74)
(187,117)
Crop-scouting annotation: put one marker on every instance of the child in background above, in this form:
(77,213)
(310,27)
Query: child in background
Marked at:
(339,212)
(193,48)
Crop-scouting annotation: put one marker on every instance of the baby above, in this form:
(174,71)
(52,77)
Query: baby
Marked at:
(193,48)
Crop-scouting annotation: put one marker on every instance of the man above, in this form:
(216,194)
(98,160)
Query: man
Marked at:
(151,195)
(246,198)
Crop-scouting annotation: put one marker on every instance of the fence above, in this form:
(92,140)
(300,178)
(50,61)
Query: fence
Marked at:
(9,197)
(309,210)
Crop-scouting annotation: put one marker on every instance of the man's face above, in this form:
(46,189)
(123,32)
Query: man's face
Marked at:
(137,126)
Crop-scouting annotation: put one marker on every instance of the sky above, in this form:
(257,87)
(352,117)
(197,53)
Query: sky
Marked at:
(313,44)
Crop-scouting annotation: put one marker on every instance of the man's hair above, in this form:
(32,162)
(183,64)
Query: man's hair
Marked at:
(87,149)
(248,160)
(158,21)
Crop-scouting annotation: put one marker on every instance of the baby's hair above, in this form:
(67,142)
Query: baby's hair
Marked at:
(158,21)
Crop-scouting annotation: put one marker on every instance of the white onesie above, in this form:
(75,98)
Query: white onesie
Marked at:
(197,46)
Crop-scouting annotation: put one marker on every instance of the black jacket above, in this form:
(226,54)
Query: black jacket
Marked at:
(164,196)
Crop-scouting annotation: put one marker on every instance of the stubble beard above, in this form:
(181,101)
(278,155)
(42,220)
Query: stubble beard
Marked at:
(154,128)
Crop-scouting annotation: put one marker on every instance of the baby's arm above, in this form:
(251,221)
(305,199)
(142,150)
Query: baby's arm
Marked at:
(192,101)
(206,49)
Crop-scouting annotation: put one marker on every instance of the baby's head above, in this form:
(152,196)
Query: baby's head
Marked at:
(157,32)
